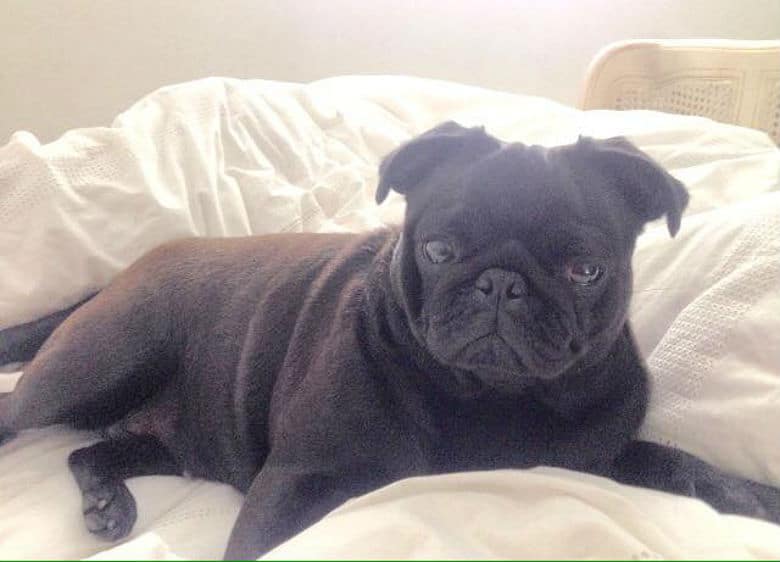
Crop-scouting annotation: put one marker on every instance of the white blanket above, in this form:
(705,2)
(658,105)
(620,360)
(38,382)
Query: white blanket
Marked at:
(226,157)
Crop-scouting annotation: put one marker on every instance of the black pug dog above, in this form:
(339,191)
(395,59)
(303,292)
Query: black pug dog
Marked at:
(305,369)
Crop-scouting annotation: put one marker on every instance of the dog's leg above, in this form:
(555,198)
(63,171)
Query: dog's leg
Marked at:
(281,502)
(5,434)
(21,343)
(100,470)
(298,487)
(664,468)
(103,361)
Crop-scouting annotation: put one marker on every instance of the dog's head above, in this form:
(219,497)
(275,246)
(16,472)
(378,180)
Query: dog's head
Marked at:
(515,261)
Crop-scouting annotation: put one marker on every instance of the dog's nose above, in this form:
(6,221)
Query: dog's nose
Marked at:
(501,282)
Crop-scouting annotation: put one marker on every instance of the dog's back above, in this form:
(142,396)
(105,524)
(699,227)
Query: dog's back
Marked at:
(197,330)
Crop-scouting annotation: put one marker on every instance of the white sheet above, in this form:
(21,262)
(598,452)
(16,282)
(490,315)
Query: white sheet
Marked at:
(227,157)
(541,514)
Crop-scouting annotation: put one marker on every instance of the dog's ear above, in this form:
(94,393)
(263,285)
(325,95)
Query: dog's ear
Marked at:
(649,189)
(406,167)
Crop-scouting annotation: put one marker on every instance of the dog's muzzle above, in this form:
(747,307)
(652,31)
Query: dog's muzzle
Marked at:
(549,334)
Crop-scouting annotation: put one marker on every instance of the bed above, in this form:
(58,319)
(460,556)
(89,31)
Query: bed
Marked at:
(224,157)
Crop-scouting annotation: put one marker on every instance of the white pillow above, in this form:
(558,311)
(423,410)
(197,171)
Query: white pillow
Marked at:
(705,311)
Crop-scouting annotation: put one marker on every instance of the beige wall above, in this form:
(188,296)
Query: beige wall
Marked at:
(72,63)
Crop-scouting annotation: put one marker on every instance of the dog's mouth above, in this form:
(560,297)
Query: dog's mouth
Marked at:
(497,341)
(490,351)
(494,355)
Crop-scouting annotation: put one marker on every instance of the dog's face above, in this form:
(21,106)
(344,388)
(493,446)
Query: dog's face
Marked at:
(515,261)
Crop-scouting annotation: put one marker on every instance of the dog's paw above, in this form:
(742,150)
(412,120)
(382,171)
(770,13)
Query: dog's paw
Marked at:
(671,470)
(109,510)
(6,436)
(729,494)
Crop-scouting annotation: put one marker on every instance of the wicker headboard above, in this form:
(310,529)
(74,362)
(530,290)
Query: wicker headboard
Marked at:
(726,80)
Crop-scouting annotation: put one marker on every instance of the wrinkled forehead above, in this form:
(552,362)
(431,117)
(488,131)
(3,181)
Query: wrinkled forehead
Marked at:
(527,193)
(521,188)
(527,184)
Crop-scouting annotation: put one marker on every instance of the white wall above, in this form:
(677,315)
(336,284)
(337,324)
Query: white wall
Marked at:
(72,63)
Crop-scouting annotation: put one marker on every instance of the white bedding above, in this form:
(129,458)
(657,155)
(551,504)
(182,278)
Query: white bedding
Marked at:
(226,157)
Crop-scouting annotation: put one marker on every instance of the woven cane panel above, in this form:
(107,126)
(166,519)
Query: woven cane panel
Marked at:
(772,119)
(716,99)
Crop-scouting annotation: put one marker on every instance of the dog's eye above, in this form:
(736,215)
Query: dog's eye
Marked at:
(439,251)
(584,273)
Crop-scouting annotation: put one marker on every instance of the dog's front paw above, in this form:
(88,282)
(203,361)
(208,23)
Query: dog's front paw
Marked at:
(6,436)
(109,510)
(729,494)
(665,468)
